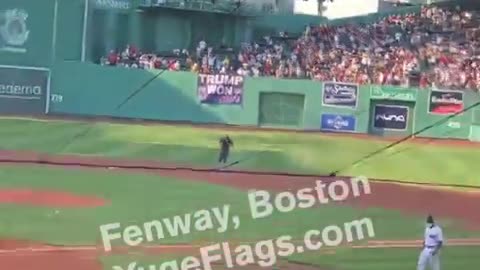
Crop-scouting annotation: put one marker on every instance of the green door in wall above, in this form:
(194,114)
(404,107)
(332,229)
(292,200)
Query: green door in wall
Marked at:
(281,109)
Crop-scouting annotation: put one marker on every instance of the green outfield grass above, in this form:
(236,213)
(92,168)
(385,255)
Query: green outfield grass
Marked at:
(342,259)
(136,198)
(391,258)
(265,151)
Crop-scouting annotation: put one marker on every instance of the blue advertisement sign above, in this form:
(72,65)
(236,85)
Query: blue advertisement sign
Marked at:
(340,94)
(338,123)
(390,117)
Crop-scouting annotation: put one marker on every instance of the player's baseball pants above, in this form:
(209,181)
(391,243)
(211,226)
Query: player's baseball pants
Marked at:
(426,258)
(223,157)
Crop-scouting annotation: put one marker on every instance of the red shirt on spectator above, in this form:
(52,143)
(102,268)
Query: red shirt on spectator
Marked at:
(112,58)
(171,65)
(132,51)
(157,63)
(423,81)
(444,60)
(205,69)
(268,68)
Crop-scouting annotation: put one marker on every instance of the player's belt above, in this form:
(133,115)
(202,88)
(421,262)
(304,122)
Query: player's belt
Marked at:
(431,246)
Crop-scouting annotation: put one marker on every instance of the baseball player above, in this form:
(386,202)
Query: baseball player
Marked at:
(432,243)
(225,144)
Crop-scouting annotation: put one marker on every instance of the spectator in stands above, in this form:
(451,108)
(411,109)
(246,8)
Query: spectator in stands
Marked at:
(113,58)
(131,51)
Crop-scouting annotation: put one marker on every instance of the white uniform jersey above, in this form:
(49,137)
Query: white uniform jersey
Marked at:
(433,236)
(430,255)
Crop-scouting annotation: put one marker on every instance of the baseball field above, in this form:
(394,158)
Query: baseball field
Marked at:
(61,180)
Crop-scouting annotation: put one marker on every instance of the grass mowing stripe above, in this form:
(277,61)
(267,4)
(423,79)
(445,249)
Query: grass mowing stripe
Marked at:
(269,151)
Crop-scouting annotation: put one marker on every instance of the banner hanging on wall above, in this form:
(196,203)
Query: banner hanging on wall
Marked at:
(390,117)
(23,90)
(393,93)
(220,89)
(340,94)
(445,102)
(338,123)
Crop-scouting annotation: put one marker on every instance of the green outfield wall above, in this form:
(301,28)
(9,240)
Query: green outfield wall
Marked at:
(26,32)
(37,33)
(88,89)
(93,90)
(45,47)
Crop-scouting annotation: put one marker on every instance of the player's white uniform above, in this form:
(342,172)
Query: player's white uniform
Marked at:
(433,237)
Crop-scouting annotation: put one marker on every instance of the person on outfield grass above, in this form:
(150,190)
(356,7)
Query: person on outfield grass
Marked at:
(225,144)
(433,241)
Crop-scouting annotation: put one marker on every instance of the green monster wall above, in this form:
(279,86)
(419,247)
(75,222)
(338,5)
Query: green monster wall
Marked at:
(51,43)
(87,89)
(53,30)
(454,127)
(30,44)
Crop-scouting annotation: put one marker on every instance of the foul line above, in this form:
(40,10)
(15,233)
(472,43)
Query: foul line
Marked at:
(370,245)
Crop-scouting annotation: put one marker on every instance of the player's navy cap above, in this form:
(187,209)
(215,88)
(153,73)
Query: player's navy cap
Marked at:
(430,219)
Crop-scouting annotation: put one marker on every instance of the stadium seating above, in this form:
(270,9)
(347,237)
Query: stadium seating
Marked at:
(436,48)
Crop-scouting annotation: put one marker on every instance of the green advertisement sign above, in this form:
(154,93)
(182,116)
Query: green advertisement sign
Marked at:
(393,93)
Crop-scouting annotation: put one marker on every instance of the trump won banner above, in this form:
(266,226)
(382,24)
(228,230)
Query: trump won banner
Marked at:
(340,94)
(338,123)
(445,102)
(220,89)
(390,117)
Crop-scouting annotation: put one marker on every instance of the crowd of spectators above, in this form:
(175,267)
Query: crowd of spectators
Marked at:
(435,48)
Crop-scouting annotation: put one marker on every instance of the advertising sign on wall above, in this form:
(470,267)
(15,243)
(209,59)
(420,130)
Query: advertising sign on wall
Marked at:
(338,123)
(112,4)
(23,90)
(340,94)
(445,102)
(393,93)
(220,89)
(390,117)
